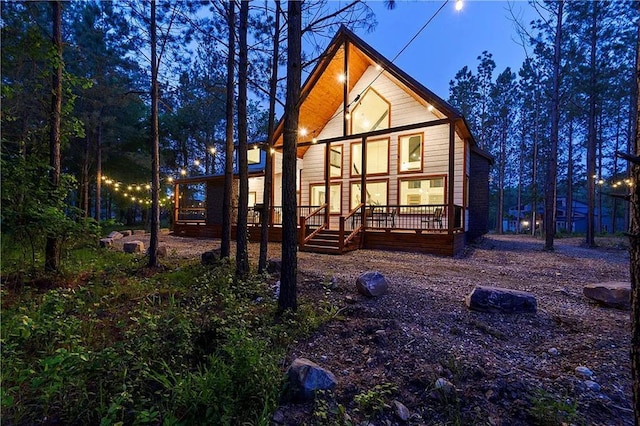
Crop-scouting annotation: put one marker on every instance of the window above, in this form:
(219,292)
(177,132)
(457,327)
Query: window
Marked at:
(317,198)
(371,113)
(422,191)
(377,157)
(253,155)
(376,194)
(335,161)
(411,153)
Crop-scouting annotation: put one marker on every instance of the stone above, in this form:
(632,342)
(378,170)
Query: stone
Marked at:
(614,294)
(133,247)
(592,386)
(138,232)
(126,233)
(278,417)
(306,377)
(372,284)
(584,372)
(165,231)
(210,257)
(445,386)
(501,300)
(161,252)
(274,266)
(400,410)
(115,235)
(106,242)
(553,351)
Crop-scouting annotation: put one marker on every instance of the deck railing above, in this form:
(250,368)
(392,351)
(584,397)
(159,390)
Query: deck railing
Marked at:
(309,224)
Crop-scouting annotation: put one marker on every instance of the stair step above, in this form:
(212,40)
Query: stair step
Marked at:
(320,249)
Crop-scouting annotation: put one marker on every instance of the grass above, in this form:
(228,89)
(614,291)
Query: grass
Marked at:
(110,342)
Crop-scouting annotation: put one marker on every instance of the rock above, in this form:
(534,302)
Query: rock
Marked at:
(115,235)
(133,246)
(592,386)
(274,266)
(210,257)
(138,232)
(553,351)
(161,252)
(126,233)
(615,294)
(278,417)
(165,231)
(584,372)
(106,242)
(445,386)
(276,290)
(400,410)
(350,300)
(372,284)
(503,300)
(306,377)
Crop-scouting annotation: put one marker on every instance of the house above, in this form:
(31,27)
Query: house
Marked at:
(383,163)
(578,221)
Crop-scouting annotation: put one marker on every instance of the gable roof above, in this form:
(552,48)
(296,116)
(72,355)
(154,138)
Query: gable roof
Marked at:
(320,96)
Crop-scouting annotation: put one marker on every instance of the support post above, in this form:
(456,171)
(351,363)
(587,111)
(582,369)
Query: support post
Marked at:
(451,180)
(363,182)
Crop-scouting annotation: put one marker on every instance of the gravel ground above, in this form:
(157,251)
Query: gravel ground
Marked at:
(421,331)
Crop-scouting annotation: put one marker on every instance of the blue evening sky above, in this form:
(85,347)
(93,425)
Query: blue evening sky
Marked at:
(452,40)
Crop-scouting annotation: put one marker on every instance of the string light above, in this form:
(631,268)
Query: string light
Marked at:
(212,150)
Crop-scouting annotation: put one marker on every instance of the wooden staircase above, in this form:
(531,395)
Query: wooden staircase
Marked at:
(327,241)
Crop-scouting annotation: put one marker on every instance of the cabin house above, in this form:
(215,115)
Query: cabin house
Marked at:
(383,163)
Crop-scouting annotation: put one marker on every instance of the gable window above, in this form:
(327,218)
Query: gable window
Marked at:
(335,161)
(411,153)
(371,113)
(377,157)
(376,193)
(415,192)
(317,198)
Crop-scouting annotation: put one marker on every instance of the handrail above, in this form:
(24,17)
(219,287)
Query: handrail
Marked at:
(303,225)
(344,241)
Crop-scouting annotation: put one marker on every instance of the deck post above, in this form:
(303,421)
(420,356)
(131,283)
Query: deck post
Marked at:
(176,202)
(363,182)
(327,184)
(341,235)
(452,163)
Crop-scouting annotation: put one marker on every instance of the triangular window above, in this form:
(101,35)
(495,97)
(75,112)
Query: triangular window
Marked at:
(371,113)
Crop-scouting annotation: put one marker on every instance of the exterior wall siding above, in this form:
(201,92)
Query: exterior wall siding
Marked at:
(478,196)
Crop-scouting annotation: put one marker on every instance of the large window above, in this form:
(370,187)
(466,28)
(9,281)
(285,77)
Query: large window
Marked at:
(192,201)
(376,193)
(415,192)
(335,161)
(377,157)
(253,155)
(410,153)
(317,197)
(371,113)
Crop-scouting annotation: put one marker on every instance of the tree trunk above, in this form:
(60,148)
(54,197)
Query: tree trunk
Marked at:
(155,146)
(591,137)
(634,250)
(570,180)
(268,171)
(85,179)
(552,159)
(225,243)
(52,248)
(242,255)
(288,278)
(98,208)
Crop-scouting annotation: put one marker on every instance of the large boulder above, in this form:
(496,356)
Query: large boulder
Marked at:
(106,242)
(160,252)
(502,300)
(126,233)
(372,284)
(133,247)
(306,377)
(615,294)
(115,235)
(211,257)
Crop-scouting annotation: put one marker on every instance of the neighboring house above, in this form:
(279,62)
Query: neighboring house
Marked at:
(578,217)
(383,163)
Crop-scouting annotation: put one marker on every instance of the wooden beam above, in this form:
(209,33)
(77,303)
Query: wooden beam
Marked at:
(345,90)
(451,180)
(363,182)
(327,184)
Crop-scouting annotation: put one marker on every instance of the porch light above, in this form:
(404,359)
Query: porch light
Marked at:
(342,78)
(459,5)
(378,67)
(255,147)
(347,116)
(314,140)
(430,108)
(303,132)
(272,151)
(196,162)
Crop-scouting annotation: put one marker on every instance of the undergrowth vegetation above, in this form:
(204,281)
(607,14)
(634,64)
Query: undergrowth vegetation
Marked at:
(111,342)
